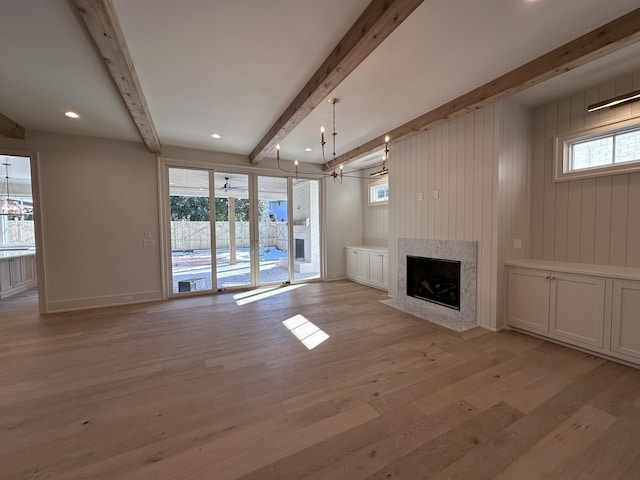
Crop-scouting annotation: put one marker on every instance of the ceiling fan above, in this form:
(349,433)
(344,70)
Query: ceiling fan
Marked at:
(228,187)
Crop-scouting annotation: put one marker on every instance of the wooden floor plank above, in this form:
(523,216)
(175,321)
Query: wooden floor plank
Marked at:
(204,387)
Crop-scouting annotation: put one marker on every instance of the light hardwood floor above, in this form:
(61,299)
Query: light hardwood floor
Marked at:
(204,388)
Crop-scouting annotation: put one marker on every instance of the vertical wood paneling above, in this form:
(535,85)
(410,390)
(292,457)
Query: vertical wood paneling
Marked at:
(574,202)
(549,205)
(619,220)
(537,165)
(562,188)
(603,221)
(461,160)
(453,178)
(431,146)
(468,183)
(594,220)
(437,183)
(633,221)
(479,165)
(444,194)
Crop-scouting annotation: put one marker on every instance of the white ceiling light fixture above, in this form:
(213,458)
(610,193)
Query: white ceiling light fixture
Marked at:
(337,171)
(10,206)
(308,149)
(71,114)
(612,102)
(216,136)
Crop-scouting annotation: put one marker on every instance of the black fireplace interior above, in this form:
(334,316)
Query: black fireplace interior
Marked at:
(434,280)
(299,249)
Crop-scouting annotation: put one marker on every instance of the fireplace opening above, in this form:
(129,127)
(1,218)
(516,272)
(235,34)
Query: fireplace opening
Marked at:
(299,249)
(434,280)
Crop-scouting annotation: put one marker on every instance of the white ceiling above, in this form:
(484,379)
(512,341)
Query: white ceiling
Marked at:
(232,66)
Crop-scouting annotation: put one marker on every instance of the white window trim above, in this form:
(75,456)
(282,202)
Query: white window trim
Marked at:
(563,144)
(382,181)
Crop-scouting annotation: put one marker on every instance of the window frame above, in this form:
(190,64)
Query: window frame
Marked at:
(375,185)
(564,142)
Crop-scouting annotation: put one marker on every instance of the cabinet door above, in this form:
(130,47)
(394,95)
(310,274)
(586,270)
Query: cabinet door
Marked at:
(528,299)
(625,321)
(5,275)
(385,270)
(375,268)
(363,266)
(28,268)
(577,308)
(352,263)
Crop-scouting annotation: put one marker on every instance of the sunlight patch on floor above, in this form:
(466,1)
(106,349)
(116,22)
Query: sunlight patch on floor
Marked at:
(262,293)
(309,334)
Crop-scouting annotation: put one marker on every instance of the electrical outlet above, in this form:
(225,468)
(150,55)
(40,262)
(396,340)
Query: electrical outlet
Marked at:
(420,196)
(148,234)
(148,243)
(517,243)
(436,194)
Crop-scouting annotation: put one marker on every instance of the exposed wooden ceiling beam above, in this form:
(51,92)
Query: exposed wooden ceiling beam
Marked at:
(9,128)
(101,21)
(608,38)
(375,24)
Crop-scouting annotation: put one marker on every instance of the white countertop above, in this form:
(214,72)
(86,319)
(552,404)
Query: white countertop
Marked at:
(627,273)
(4,254)
(369,248)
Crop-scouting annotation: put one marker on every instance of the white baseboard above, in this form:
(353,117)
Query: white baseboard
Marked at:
(336,276)
(105,301)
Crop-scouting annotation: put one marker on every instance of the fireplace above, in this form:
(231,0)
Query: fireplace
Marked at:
(299,249)
(454,308)
(434,280)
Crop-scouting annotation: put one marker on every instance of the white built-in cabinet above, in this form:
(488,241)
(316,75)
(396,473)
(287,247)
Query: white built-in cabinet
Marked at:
(368,265)
(17,273)
(589,306)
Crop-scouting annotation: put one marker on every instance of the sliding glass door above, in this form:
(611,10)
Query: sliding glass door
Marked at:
(233,230)
(190,226)
(306,229)
(273,222)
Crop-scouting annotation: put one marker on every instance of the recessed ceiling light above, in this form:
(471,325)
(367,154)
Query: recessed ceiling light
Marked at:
(216,135)
(71,114)
(308,149)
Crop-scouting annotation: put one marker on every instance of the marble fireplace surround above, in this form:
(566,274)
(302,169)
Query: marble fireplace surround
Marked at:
(464,252)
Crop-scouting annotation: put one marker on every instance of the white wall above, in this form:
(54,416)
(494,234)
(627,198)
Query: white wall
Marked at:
(342,223)
(596,220)
(98,199)
(473,163)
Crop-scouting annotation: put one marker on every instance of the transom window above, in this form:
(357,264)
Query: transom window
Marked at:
(605,150)
(378,193)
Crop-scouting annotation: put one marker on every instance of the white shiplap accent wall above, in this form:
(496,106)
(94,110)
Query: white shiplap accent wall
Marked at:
(479,165)
(594,221)
(375,218)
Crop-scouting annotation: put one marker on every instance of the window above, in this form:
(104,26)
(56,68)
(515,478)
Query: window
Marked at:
(604,150)
(379,193)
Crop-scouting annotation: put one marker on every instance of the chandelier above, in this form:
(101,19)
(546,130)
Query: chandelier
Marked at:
(336,172)
(10,207)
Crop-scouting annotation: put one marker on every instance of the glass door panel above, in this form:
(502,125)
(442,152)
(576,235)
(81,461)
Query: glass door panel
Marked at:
(190,230)
(306,229)
(273,227)
(233,239)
